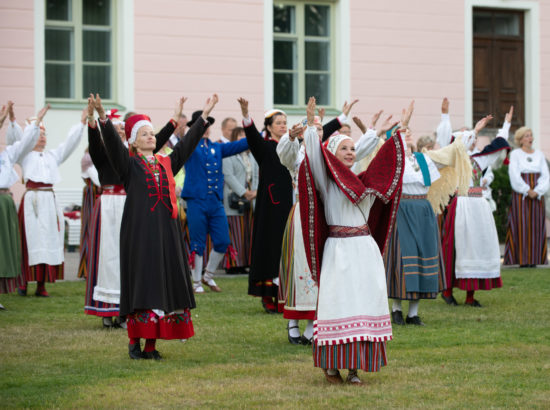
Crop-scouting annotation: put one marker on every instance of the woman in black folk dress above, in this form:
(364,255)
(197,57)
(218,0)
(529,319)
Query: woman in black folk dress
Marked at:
(156,293)
(273,203)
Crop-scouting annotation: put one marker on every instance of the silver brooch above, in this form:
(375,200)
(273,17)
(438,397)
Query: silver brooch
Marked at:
(213,151)
(529,159)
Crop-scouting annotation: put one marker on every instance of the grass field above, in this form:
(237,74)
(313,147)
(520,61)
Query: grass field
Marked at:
(53,355)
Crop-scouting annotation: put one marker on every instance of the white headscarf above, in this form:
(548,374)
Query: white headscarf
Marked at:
(335,140)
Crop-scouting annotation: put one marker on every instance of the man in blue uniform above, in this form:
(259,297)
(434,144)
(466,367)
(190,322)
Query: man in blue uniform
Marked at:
(203,192)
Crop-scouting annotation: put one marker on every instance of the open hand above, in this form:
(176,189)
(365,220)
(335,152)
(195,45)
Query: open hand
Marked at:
(445,106)
(244,106)
(509,115)
(482,123)
(406,115)
(321,113)
(347,107)
(209,105)
(178,111)
(42,113)
(295,131)
(360,124)
(98,106)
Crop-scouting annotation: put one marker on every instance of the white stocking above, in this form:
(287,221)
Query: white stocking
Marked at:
(396,305)
(413,308)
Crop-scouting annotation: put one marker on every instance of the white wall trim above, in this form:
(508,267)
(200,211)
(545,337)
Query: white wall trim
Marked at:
(532,58)
(268,54)
(343,53)
(125,58)
(39,56)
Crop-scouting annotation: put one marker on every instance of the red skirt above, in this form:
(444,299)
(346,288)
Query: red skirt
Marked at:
(147,324)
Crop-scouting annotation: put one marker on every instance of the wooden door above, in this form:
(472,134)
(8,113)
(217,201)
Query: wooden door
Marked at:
(499,65)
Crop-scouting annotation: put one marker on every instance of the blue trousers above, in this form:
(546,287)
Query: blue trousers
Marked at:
(207,216)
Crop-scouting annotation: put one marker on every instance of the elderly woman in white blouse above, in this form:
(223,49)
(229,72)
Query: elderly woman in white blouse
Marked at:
(526,236)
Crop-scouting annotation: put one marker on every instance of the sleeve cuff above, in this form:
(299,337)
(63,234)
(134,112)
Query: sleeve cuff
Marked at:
(247,122)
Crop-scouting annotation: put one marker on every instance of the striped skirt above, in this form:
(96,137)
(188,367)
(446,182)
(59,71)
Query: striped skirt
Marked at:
(89,197)
(367,356)
(10,250)
(240,233)
(92,306)
(414,267)
(40,272)
(297,297)
(526,235)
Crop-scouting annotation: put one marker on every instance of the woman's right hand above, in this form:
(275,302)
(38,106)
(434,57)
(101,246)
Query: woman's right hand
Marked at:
(250,195)
(244,106)
(310,111)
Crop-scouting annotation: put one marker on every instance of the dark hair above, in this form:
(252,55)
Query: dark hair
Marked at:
(235,133)
(269,121)
(129,114)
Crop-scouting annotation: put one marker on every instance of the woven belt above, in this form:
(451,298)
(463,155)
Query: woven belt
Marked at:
(407,196)
(113,190)
(476,192)
(38,186)
(338,231)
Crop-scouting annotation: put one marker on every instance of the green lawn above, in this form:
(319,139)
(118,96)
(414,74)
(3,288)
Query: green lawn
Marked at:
(53,355)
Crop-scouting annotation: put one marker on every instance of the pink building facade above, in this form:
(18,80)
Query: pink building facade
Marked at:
(274,53)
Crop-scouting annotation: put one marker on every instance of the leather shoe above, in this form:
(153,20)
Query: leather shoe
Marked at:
(305,341)
(151,355)
(450,300)
(475,303)
(294,340)
(213,288)
(397,318)
(333,379)
(415,320)
(22,292)
(42,294)
(134,350)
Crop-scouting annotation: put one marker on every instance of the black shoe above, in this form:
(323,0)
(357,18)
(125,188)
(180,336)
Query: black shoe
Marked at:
(533,265)
(475,303)
(294,340)
(2,307)
(450,300)
(415,320)
(134,350)
(269,309)
(151,355)
(118,323)
(22,292)
(305,341)
(397,318)
(107,322)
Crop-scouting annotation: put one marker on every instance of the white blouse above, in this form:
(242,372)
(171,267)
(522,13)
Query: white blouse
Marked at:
(14,152)
(522,162)
(43,166)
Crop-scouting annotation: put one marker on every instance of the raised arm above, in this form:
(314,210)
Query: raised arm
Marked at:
(168,130)
(117,153)
(256,143)
(444,130)
(185,147)
(66,148)
(15,132)
(232,148)
(313,150)
(288,149)
(28,141)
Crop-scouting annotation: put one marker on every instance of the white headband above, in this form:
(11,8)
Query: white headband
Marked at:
(135,129)
(334,142)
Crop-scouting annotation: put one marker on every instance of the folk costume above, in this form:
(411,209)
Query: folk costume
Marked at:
(10,242)
(103,281)
(156,293)
(526,234)
(470,241)
(90,193)
(414,268)
(40,219)
(240,174)
(273,204)
(297,289)
(346,222)
(203,192)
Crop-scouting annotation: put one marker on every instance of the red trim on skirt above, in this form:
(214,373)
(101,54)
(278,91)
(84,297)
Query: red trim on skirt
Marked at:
(477,283)
(41,272)
(299,314)
(148,325)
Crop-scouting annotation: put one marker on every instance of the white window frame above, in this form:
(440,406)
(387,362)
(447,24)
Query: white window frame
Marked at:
(340,55)
(122,62)
(532,58)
